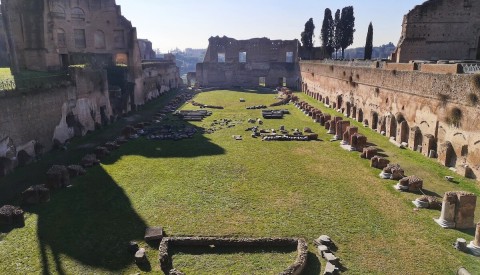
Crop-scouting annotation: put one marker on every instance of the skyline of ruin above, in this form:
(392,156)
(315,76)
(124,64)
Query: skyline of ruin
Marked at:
(192,28)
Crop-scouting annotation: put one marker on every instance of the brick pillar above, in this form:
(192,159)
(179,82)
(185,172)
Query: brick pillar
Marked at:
(465,213)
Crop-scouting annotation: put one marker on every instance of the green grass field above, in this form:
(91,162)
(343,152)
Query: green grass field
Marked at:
(213,185)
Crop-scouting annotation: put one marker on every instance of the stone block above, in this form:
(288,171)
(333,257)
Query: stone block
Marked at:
(58,177)
(36,194)
(411,184)
(76,171)
(465,210)
(12,216)
(369,152)
(153,234)
(379,162)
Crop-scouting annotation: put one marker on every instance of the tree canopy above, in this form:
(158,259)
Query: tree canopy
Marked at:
(337,36)
(327,32)
(308,34)
(347,22)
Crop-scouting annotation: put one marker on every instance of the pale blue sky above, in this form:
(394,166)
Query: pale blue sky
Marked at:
(189,23)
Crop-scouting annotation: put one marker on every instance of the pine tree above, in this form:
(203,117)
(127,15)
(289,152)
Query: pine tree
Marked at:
(327,33)
(369,43)
(347,22)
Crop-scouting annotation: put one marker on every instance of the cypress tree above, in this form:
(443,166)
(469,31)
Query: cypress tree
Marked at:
(347,22)
(369,43)
(327,33)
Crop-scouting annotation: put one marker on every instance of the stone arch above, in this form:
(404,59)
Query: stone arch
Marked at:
(58,10)
(327,100)
(78,13)
(360,115)
(99,40)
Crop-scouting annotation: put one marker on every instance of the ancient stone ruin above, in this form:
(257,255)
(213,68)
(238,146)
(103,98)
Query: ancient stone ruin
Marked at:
(300,245)
(458,210)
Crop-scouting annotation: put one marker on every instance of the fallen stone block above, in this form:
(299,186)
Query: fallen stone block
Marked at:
(76,171)
(153,234)
(89,160)
(379,162)
(12,216)
(411,184)
(36,194)
(141,256)
(58,177)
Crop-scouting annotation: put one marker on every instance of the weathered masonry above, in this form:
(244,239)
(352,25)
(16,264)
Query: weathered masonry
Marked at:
(441,30)
(431,112)
(249,63)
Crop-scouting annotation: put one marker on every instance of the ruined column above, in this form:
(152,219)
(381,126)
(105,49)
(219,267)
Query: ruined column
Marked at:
(465,210)
(474,246)
(341,128)
(447,216)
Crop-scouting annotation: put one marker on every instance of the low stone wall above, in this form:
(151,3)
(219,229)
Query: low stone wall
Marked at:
(296,268)
(425,110)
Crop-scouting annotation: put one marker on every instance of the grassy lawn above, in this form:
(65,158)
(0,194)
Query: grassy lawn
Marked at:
(5,74)
(213,185)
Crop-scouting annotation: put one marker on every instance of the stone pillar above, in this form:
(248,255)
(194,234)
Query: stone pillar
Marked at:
(465,210)
(474,246)
(447,216)
(445,153)
(341,128)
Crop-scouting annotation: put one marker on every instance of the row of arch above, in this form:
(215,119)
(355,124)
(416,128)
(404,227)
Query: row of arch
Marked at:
(76,13)
(453,153)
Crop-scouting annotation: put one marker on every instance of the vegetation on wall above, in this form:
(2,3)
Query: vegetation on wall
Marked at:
(473,99)
(454,117)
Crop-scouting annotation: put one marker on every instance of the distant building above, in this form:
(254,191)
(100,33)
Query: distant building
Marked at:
(249,63)
(441,30)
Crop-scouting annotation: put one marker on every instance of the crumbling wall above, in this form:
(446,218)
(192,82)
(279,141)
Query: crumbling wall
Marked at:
(441,30)
(428,101)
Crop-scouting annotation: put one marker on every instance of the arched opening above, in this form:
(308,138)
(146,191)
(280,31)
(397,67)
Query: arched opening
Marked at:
(78,14)
(327,100)
(58,11)
(392,126)
(99,40)
(354,112)
(348,110)
(374,120)
(403,132)
(339,102)
(360,115)
(416,139)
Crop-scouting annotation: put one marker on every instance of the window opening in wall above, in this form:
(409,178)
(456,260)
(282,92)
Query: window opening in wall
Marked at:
(262,81)
(282,82)
(99,38)
(78,14)
(58,11)
(79,35)
(119,39)
(289,56)
(61,38)
(221,58)
(242,57)
(121,59)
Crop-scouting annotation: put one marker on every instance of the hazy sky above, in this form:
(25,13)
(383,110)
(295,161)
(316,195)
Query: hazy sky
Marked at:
(189,23)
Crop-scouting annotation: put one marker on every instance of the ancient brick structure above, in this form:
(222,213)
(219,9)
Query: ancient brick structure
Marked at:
(51,34)
(441,29)
(146,49)
(249,63)
(428,111)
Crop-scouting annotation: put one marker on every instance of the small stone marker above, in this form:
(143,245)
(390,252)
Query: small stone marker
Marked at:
(461,245)
(323,240)
(141,256)
(58,177)
(330,269)
(153,234)
(329,257)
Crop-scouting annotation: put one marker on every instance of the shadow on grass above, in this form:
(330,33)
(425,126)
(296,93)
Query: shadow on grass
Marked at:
(93,221)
